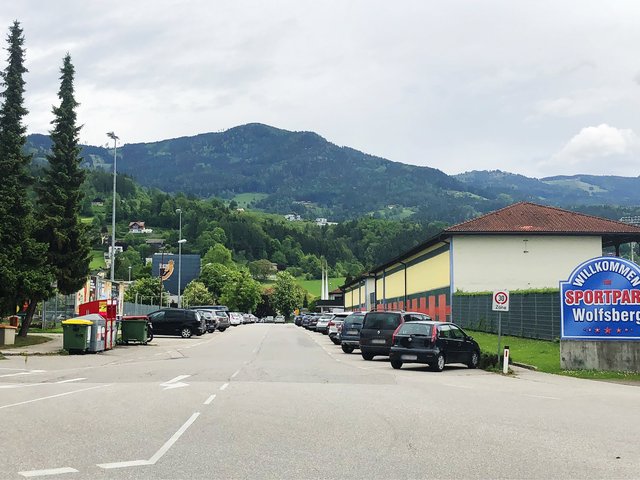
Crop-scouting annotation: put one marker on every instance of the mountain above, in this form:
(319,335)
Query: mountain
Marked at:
(283,172)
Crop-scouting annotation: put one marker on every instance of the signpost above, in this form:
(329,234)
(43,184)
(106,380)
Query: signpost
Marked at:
(500,304)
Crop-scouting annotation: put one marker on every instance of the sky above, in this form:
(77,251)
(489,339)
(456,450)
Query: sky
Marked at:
(537,88)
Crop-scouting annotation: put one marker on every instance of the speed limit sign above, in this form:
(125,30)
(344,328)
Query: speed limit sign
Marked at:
(500,301)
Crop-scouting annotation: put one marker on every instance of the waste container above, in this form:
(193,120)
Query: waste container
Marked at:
(97,342)
(134,329)
(76,334)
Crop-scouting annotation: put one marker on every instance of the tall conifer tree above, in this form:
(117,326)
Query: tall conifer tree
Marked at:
(60,194)
(24,274)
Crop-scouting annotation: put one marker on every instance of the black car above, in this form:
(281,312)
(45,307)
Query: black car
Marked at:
(434,343)
(177,321)
(378,328)
(350,334)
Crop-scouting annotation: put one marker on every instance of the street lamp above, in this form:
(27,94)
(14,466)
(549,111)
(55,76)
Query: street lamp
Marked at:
(115,139)
(129,273)
(180,242)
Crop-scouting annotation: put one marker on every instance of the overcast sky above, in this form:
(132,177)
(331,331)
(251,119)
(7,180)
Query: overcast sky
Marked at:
(533,87)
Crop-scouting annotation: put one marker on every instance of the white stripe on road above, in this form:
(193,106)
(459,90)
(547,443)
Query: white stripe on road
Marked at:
(54,396)
(50,471)
(132,463)
(210,399)
(71,380)
(165,448)
(457,386)
(15,374)
(158,455)
(224,386)
(235,374)
(541,396)
(177,379)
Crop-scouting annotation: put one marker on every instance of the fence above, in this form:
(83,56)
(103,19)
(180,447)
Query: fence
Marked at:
(530,315)
(129,308)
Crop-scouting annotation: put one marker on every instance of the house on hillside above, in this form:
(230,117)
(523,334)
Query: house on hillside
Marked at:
(97,202)
(138,227)
(521,247)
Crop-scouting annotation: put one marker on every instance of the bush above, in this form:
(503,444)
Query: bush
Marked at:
(491,361)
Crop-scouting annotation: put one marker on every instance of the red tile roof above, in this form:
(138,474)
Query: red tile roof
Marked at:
(530,217)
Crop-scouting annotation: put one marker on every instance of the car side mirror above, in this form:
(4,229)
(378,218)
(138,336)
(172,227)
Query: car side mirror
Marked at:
(469,337)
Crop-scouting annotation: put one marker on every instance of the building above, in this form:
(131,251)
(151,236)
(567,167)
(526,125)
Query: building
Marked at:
(523,246)
(138,227)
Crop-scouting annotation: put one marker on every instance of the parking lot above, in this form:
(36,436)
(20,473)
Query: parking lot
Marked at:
(277,401)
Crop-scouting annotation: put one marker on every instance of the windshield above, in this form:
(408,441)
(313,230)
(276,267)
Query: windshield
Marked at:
(354,319)
(382,320)
(415,329)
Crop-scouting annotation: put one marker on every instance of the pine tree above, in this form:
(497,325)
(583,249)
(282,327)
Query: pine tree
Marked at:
(23,271)
(60,196)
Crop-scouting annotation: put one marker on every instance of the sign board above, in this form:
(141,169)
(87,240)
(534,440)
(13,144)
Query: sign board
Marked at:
(601,301)
(500,301)
(167,265)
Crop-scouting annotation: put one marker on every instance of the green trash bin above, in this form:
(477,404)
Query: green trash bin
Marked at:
(76,335)
(134,329)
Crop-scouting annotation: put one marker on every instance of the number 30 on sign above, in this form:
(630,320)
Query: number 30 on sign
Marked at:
(500,301)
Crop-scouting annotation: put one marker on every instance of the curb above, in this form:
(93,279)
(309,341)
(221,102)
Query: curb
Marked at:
(524,365)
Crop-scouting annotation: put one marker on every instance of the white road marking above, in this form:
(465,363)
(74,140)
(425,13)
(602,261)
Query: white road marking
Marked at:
(223,387)
(71,380)
(54,396)
(15,374)
(131,463)
(541,396)
(165,448)
(175,382)
(210,399)
(457,386)
(50,471)
(235,374)
(158,455)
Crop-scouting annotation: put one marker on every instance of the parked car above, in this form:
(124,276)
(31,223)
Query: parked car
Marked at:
(279,319)
(210,320)
(335,326)
(322,325)
(313,321)
(377,330)
(177,321)
(221,313)
(433,343)
(350,335)
(235,319)
(269,319)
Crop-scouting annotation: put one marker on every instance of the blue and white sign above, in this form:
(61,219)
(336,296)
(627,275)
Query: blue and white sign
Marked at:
(601,301)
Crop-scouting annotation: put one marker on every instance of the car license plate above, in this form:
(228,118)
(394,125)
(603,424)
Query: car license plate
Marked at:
(352,332)
(409,357)
(378,341)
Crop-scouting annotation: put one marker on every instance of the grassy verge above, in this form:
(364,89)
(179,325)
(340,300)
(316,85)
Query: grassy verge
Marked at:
(27,341)
(45,330)
(97,260)
(545,356)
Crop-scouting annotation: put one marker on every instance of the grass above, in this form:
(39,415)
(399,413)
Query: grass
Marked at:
(46,330)
(544,356)
(27,341)
(97,260)
(313,286)
(244,199)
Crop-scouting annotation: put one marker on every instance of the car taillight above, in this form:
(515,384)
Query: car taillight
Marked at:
(434,334)
(331,324)
(393,337)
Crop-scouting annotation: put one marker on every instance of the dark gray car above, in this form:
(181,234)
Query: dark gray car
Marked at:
(378,328)
(221,312)
(350,335)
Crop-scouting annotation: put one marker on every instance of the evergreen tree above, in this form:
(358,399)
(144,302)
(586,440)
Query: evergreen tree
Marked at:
(60,193)
(23,271)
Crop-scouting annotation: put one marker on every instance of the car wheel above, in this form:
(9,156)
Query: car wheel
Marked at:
(149,335)
(474,360)
(438,365)
(185,332)
(211,330)
(367,356)
(397,364)
(222,329)
(347,349)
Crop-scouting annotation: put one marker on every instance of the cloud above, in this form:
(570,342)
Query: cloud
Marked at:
(582,102)
(598,150)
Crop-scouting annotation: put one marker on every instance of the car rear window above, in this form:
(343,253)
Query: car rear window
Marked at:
(355,319)
(382,321)
(415,329)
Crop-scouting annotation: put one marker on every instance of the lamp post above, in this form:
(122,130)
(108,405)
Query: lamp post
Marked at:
(129,273)
(115,139)
(180,242)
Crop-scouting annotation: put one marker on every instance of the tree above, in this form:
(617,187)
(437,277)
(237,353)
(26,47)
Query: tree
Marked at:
(287,295)
(242,294)
(261,269)
(24,273)
(215,276)
(146,290)
(60,196)
(196,293)
(218,253)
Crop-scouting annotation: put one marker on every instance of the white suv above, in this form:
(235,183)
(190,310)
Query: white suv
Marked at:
(235,319)
(279,319)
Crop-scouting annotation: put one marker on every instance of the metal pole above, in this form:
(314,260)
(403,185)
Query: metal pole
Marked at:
(179,257)
(499,333)
(113,205)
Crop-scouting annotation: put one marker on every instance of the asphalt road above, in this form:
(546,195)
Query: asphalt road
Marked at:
(276,401)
